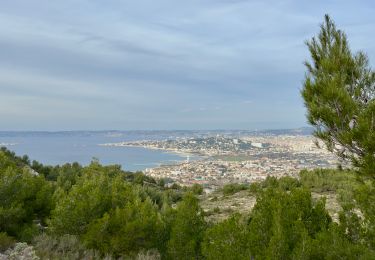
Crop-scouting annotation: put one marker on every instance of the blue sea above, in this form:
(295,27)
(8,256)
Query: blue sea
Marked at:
(53,148)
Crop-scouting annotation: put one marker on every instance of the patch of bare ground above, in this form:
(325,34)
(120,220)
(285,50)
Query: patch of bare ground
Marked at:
(219,207)
(332,205)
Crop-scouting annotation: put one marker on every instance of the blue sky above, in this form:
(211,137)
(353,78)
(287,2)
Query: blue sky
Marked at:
(197,64)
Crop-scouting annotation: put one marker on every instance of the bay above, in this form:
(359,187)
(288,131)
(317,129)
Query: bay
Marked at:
(56,148)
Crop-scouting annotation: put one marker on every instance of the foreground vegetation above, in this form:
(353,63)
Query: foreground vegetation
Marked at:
(93,212)
(75,212)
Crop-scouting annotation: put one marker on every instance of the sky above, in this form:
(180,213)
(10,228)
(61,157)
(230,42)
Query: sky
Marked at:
(165,64)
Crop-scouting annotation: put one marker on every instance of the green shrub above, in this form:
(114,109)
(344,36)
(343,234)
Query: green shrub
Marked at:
(232,188)
(227,240)
(24,197)
(187,229)
(328,180)
(196,189)
(126,231)
(66,247)
(97,191)
(5,241)
(280,220)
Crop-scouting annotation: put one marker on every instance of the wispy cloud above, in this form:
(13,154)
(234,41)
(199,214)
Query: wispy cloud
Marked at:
(162,64)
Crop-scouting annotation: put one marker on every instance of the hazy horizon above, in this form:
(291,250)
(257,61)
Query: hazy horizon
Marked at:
(153,130)
(228,64)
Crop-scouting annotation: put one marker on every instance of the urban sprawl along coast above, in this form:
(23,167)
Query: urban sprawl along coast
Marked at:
(245,159)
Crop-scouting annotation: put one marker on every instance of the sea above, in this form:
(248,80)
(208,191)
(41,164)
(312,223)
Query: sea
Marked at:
(56,148)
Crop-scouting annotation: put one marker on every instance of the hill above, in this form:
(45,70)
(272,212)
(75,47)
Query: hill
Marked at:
(77,212)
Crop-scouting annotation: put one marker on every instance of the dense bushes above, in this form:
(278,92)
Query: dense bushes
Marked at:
(6,241)
(62,247)
(281,220)
(321,180)
(24,198)
(232,188)
(227,240)
(187,229)
(100,211)
(196,189)
(100,208)
(127,230)
(285,224)
(97,191)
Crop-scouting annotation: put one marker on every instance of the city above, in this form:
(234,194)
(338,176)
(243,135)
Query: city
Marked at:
(244,159)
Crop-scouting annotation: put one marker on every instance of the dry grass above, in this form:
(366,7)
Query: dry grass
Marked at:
(219,207)
(332,205)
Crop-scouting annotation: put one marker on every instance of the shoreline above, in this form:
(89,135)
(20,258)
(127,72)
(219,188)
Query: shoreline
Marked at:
(175,151)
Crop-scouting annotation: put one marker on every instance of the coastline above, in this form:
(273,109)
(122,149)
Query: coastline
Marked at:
(183,153)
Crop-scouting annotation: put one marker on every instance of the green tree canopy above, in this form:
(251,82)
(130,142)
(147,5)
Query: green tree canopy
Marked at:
(187,230)
(126,231)
(227,240)
(97,191)
(339,91)
(24,197)
(281,220)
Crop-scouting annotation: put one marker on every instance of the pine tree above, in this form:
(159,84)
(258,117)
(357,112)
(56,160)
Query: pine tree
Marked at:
(338,91)
(187,230)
